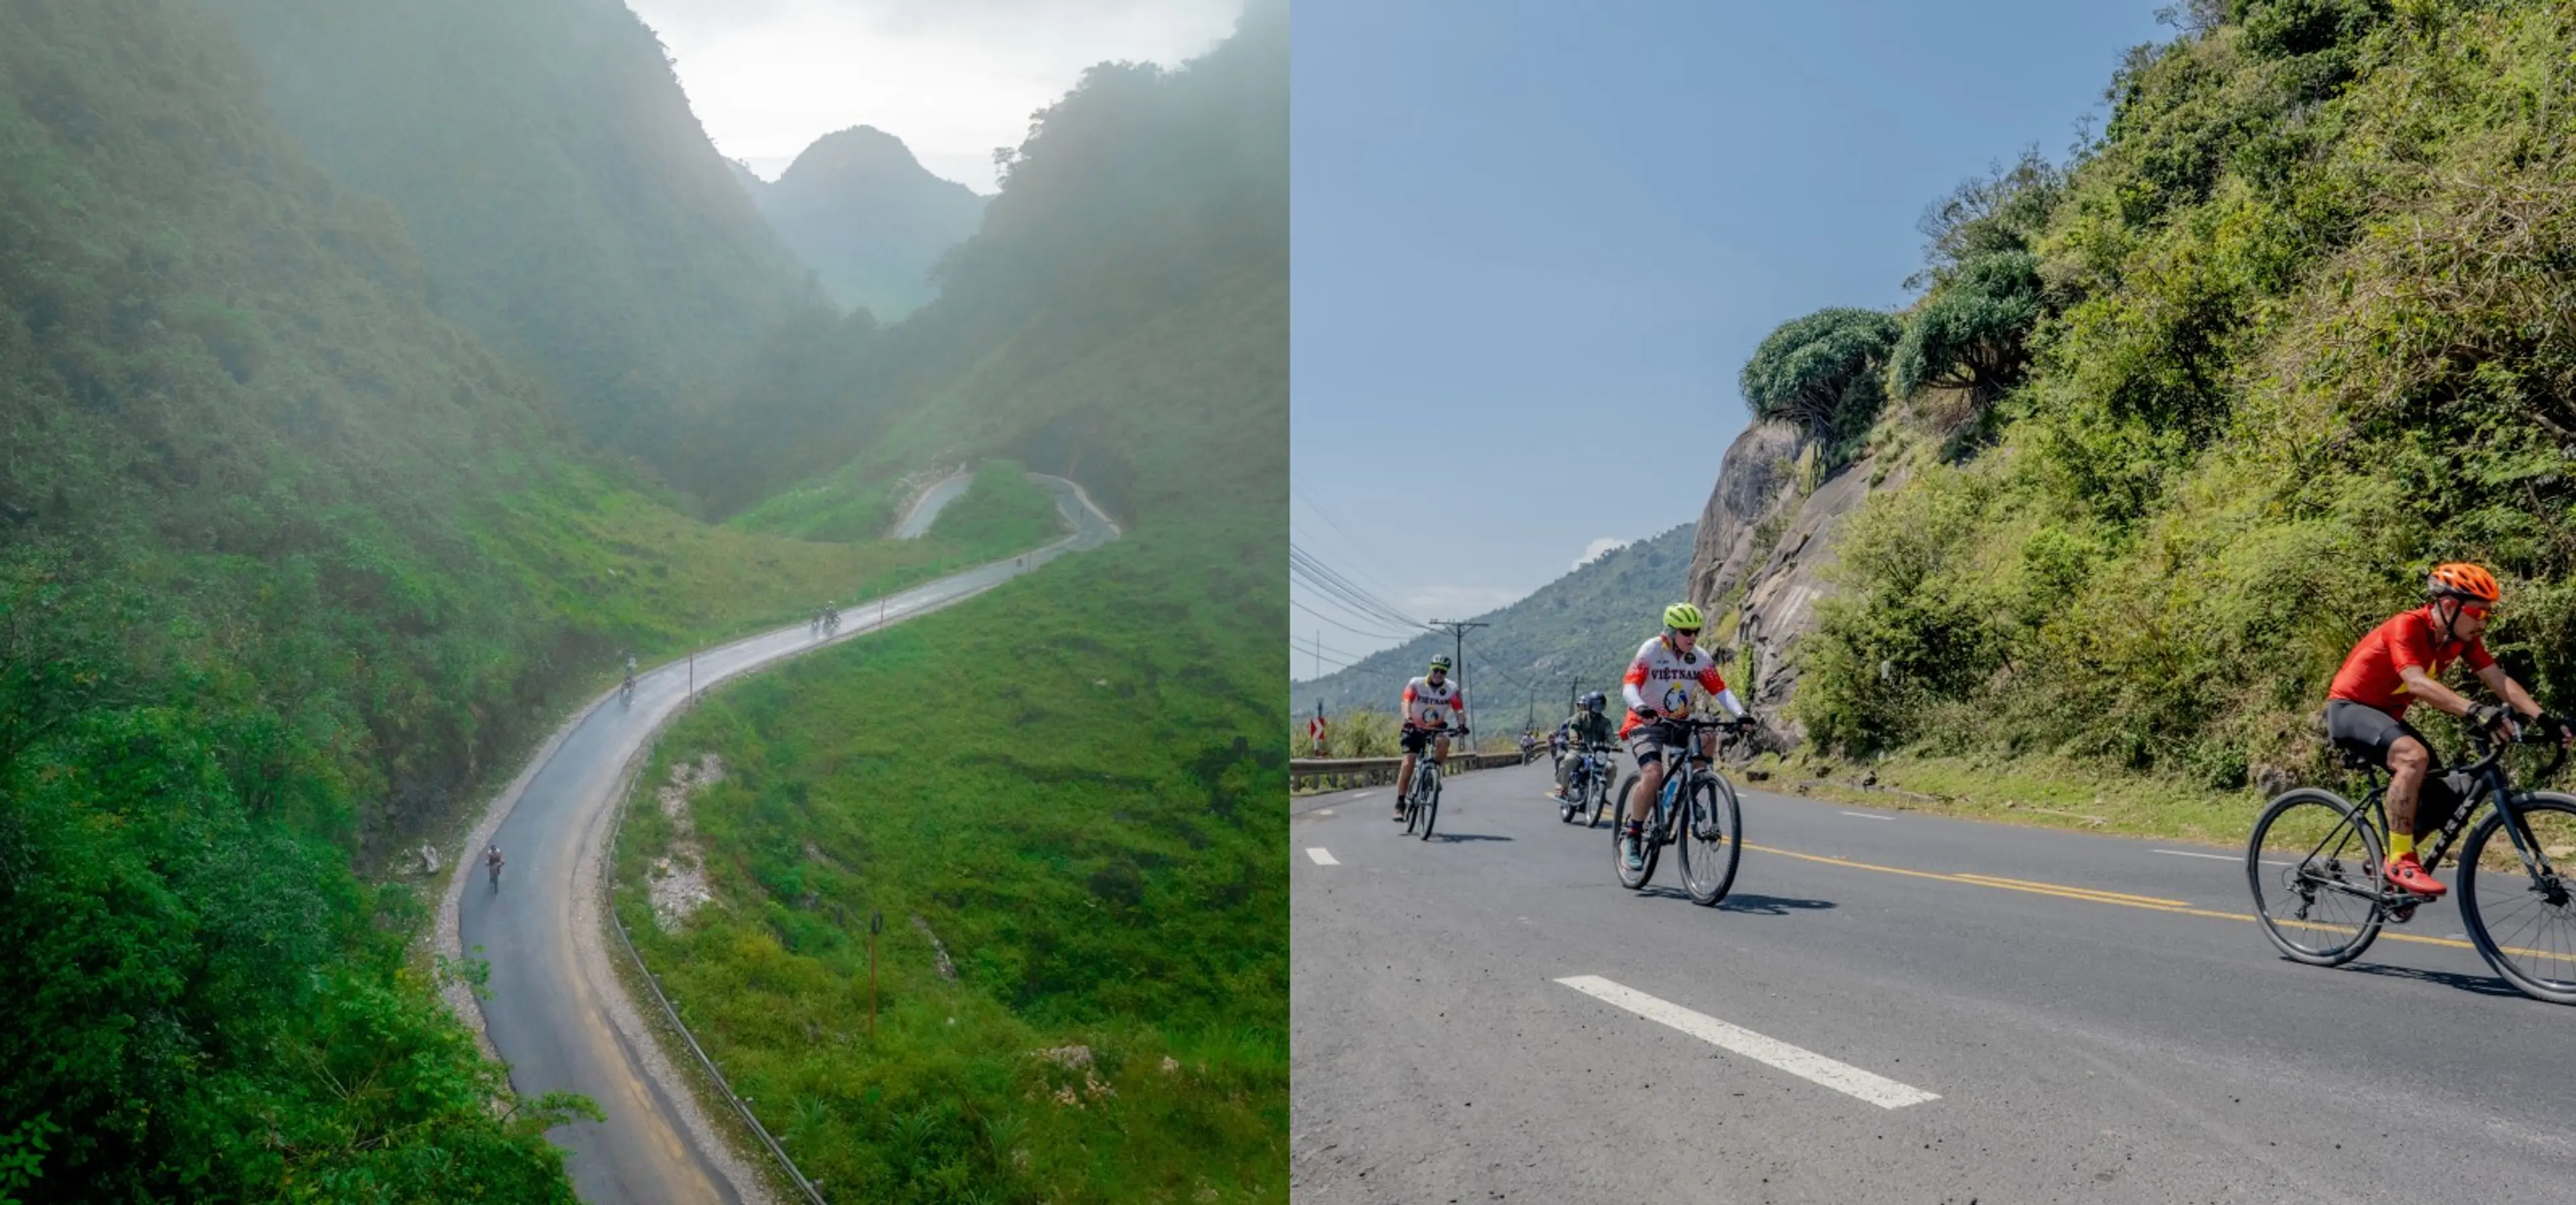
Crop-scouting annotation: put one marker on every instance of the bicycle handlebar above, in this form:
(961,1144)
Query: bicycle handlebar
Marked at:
(2492,751)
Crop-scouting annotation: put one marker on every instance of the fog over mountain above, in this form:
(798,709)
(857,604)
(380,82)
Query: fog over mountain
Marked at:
(868,218)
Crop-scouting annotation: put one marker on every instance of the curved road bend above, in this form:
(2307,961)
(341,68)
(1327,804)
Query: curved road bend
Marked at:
(2105,1028)
(925,509)
(547,1012)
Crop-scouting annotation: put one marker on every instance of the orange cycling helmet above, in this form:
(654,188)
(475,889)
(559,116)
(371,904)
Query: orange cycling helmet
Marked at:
(2462,580)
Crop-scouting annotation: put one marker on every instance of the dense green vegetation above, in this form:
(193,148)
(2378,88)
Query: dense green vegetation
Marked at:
(2287,334)
(1579,629)
(290,568)
(1072,780)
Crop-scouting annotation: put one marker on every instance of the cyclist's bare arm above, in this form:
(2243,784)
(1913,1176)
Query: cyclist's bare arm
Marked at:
(2435,694)
(2510,691)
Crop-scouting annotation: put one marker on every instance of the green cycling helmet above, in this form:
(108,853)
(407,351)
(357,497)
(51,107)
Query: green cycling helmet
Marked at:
(1440,663)
(1682,617)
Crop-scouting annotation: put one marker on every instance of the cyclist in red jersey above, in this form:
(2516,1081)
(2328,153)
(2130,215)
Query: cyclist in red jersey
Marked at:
(2400,662)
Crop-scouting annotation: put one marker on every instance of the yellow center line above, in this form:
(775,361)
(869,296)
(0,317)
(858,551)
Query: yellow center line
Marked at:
(2120,896)
(2141,902)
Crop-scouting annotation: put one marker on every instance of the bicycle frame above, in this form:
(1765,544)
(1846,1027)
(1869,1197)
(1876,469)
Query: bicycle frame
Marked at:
(2492,791)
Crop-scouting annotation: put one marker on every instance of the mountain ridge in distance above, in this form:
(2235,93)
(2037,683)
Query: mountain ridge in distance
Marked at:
(868,218)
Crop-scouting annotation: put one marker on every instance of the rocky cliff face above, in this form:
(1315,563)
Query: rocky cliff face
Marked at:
(1763,540)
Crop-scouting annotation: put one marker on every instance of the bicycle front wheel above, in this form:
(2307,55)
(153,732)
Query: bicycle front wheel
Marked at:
(1712,839)
(1652,852)
(1430,808)
(2521,920)
(2313,863)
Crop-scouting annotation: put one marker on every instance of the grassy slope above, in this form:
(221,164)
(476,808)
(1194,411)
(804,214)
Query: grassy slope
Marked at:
(1001,510)
(2303,345)
(1078,815)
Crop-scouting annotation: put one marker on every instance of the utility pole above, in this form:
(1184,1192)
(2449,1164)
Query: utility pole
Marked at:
(1458,646)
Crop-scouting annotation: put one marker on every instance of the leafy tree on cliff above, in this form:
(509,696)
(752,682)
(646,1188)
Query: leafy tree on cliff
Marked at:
(1974,334)
(1822,372)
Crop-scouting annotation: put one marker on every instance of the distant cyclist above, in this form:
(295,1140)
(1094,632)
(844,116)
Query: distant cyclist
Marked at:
(1431,703)
(492,862)
(2401,661)
(1587,727)
(1667,681)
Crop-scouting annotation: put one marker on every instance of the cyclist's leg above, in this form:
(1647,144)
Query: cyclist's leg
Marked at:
(1647,747)
(2394,744)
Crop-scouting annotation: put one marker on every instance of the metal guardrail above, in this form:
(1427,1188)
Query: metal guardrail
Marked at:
(1374,771)
(608,874)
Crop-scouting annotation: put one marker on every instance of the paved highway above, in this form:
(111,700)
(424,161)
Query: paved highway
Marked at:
(1889,1007)
(555,1011)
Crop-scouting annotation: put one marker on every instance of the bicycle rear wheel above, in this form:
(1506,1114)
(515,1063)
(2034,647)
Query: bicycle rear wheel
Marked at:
(1413,802)
(2313,864)
(1712,839)
(2525,924)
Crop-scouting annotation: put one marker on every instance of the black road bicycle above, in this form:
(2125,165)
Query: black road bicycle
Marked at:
(2314,862)
(1696,810)
(1422,803)
(1587,786)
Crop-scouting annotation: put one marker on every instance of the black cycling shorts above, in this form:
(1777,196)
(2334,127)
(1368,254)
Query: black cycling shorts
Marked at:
(1415,740)
(2367,730)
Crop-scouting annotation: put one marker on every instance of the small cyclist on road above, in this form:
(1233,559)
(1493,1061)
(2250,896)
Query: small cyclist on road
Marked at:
(1587,727)
(1431,702)
(1666,681)
(2400,662)
(492,862)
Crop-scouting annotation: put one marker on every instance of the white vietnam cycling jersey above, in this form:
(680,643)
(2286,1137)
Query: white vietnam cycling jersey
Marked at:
(1671,682)
(1428,706)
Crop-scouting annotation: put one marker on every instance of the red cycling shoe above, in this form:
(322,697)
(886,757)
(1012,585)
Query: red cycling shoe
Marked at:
(2408,872)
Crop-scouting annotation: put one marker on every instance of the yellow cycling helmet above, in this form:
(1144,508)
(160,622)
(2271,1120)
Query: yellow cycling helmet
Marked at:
(1682,617)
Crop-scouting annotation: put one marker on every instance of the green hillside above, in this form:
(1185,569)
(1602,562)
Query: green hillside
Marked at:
(568,205)
(292,568)
(2234,377)
(1579,629)
(1072,781)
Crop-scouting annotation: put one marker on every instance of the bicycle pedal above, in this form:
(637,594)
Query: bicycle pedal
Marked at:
(2402,913)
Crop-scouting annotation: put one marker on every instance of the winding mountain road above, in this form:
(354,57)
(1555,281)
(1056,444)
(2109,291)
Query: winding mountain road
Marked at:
(555,1010)
(1890,1006)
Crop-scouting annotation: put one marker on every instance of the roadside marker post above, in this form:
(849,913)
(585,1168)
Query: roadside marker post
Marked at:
(876,925)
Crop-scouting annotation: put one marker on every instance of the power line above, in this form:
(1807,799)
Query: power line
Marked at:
(1406,636)
(1316,575)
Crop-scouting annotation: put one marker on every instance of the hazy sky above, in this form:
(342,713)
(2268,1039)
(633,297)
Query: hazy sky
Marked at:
(1535,243)
(953,78)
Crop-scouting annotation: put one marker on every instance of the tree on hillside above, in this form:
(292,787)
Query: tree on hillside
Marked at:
(1822,372)
(2000,211)
(1974,333)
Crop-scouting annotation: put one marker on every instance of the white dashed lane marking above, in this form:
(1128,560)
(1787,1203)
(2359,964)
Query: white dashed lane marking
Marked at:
(1869,816)
(1322,857)
(1805,1064)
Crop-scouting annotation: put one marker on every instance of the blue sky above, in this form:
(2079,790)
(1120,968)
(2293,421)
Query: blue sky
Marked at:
(1534,243)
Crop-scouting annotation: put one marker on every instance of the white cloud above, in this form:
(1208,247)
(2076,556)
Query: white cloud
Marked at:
(1597,549)
(954,79)
(1456,602)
